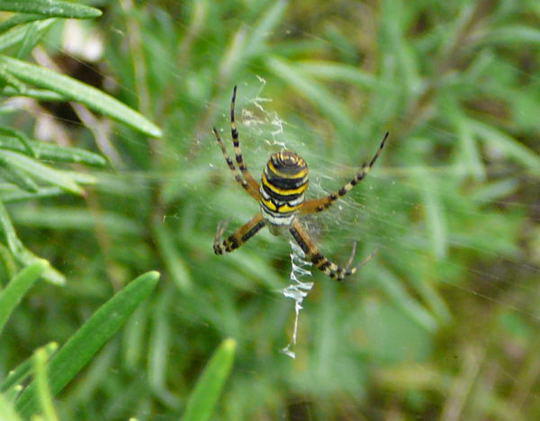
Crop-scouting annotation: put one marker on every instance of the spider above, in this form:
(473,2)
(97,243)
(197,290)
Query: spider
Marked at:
(281,198)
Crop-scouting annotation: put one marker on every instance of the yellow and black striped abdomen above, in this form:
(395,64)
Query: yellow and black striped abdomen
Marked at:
(284,181)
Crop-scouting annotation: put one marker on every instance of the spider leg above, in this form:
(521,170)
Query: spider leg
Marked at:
(237,176)
(318,205)
(237,151)
(311,251)
(239,237)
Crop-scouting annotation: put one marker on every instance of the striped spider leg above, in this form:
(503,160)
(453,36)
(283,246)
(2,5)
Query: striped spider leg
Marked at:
(319,205)
(312,252)
(281,199)
(248,183)
(239,237)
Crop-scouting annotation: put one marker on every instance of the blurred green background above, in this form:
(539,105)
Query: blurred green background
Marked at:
(441,324)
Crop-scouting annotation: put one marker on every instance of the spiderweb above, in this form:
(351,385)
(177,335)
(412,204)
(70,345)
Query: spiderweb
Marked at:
(372,216)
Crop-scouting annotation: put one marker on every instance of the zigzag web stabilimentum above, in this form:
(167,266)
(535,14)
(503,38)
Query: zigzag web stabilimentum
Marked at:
(297,290)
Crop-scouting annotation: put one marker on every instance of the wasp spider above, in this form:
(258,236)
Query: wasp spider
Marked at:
(281,198)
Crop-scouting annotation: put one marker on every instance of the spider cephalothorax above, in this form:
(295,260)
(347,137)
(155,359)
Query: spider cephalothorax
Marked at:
(281,198)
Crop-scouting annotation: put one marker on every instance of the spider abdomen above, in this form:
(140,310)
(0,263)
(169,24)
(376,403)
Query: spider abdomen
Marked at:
(284,181)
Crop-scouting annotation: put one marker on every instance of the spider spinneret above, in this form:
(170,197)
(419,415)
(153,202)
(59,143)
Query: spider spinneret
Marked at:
(281,199)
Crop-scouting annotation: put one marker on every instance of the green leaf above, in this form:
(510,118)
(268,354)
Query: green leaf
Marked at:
(70,218)
(19,19)
(11,194)
(41,94)
(263,28)
(393,287)
(176,264)
(13,175)
(82,346)
(43,390)
(435,214)
(31,39)
(53,8)
(7,412)
(203,399)
(77,91)
(17,35)
(515,34)
(41,171)
(17,288)
(22,255)
(340,72)
(21,138)
(24,370)
(507,144)
(51,151)
(317,94)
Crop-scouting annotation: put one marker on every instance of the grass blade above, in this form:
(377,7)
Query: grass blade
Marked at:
(22,255)
(317,94)
(176,264)
(23,370)
(15,176)
(74,90)
(44,393)
(52,152)
(81,347)
(41,171)
(71,218)
(19,19)
(506,143)
(329,70)
(7,412)
(18,34)
(203,399)
(53,8)
(17,288)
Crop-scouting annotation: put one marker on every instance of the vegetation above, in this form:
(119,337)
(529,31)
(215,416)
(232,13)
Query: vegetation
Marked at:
(108,170)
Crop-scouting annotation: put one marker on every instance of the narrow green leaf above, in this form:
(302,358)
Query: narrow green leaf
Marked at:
(31,39)
(41,94)
(496,190)
(18,34)
(19,19)
(24,370)
(20,137)
(22,255)
(14,175)
(41,171)
(7,79)
(43,391)
(11,194)
(53,8)
(507,144)
(52,152)
(175,263)
(435,216)
(245,45)
(7,412)
(393,288)
(69,218)
(338,71)
(77,91)
(10,236)
(17,288)
(204,397)
(82,346)
(318,95)
(515,34)
(263,28)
